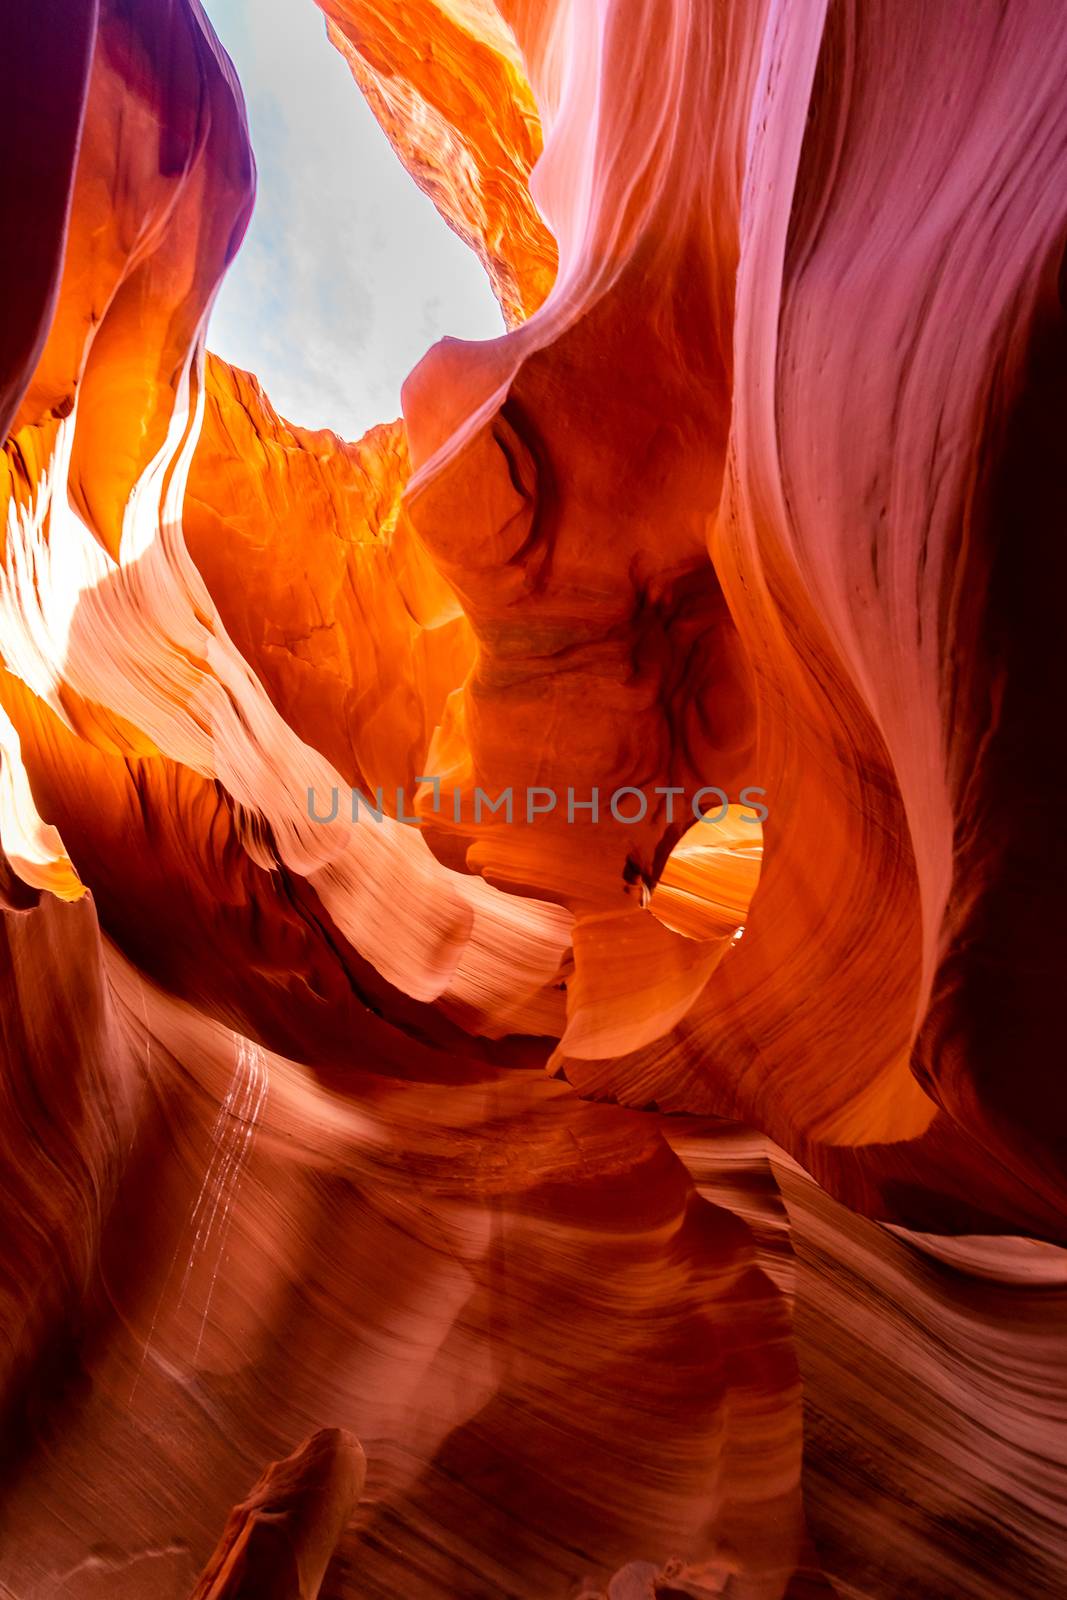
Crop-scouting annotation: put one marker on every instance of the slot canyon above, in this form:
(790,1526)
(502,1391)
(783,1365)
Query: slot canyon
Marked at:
(532,939)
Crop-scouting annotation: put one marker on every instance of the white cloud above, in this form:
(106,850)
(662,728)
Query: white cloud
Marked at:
(347,274)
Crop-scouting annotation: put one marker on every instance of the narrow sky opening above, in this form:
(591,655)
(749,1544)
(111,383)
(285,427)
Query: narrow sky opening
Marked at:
(347,274)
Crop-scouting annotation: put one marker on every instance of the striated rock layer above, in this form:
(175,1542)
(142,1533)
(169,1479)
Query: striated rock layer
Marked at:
(651,1207)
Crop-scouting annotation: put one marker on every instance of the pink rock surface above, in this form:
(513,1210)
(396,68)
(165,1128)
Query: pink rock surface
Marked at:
(656,1208)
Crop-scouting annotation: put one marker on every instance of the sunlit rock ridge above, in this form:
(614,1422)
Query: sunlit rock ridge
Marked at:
(437,1205)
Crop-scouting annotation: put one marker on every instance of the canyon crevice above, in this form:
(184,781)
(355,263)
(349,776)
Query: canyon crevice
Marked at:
(574,1208)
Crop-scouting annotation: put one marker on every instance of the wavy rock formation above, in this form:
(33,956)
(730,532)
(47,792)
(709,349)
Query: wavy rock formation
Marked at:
(280,1540)
(447,82)
(532,941)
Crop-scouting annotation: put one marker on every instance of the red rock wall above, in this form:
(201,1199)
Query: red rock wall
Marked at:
(666,1210)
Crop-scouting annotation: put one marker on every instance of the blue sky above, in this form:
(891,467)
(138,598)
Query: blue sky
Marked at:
(347,274)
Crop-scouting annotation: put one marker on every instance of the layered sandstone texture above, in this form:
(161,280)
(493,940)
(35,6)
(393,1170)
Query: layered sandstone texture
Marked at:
(578,1208)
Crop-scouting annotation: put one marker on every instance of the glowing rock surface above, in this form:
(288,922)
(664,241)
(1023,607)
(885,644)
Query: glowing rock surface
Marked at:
(666,1208)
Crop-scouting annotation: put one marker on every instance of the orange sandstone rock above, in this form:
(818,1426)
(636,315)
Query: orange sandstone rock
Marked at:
(448,85)
(626,1184)
(279,1541)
